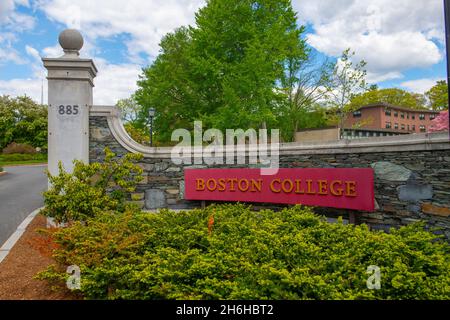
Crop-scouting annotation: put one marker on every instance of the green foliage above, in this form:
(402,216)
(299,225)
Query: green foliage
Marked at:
(232,252)
(307,80)
(394,96)
(348,80)
(22,121)
(22,157)
(224,70)
(1,169)
(129,109)
(21,148)
(91,188)
(438,96)
(137,134)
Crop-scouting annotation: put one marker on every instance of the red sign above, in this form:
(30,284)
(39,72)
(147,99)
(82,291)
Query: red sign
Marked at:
(336,188)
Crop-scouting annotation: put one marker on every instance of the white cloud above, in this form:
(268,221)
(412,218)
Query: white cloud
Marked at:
(12,22)
(10,54)
(53,52)
(144,22)
(114,82)
(420,85)
(391,36)
(17,87)
(10,19)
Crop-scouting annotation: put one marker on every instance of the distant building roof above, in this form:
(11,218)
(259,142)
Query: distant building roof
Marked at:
(391,106)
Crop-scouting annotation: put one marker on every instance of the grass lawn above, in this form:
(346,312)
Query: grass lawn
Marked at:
(23,162)
(22,159)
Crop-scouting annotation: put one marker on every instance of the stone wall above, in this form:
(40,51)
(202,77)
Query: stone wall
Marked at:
(412,176)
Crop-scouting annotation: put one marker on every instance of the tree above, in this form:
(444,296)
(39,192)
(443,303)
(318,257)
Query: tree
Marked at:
(394,96)
(22,121)
(438,96)
(225,70)
(306,82)
(129,109)
(347,81)
(440,123)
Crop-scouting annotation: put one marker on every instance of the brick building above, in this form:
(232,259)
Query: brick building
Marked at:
(389,119)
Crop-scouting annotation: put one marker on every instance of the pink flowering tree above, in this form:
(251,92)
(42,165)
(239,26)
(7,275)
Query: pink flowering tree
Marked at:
(440,123)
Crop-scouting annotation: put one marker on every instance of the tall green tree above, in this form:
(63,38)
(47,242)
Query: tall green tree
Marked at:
(348,80)
(22,121)
(307,81)
(392,96)
(438,96)
(226,70)
(129,109)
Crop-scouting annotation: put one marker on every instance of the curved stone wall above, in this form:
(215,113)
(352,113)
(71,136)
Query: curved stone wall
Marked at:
(412,172)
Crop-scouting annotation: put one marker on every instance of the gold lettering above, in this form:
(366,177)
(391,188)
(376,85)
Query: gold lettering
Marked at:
(222,185)
(290,188)
(272,187)
(200,185)
(208,184)
(241,188)
(336,192)
(232,182)
(298,188)
(256,185)
(350,188)
(322,187)
(310,191)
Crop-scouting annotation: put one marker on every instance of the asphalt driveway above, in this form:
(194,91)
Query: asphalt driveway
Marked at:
(20,193)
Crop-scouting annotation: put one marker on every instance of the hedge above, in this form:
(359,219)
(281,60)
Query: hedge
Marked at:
(232,252)
(22,157)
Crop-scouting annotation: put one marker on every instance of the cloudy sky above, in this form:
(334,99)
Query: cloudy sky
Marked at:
(402,40)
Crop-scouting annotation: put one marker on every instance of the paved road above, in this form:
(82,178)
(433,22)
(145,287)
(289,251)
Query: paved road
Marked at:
(20,193)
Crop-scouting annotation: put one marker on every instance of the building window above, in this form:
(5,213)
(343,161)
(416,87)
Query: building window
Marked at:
(408,127)
(403,127)
(413,127)
(413,116)
(402,115)
(407,115)
(432,116)
(423,128)
(396,126)
(395,113)
(357,114)
(388,125)
(421,116)
(387,112)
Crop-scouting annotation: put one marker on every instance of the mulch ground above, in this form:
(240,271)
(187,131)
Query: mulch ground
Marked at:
(22,264)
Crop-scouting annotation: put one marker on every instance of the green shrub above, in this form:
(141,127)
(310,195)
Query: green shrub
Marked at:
(1,169)
(232,252)
(22,157)
(22,121)
(91,188)
(22,148)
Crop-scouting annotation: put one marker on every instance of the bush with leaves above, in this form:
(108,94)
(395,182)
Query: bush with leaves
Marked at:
(232,252)
(91,188)
(19,148)
(23,121)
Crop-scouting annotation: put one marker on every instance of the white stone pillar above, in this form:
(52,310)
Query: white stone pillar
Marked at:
(70,83)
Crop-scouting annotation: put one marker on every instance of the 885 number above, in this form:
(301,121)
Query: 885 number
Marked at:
(69,110)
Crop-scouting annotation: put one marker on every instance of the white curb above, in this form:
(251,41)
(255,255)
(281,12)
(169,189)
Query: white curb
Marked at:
(12,240)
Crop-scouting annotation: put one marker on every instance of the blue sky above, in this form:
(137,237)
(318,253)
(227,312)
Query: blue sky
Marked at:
(402,41)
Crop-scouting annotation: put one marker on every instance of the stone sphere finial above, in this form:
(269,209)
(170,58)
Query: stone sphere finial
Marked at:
(71,41)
